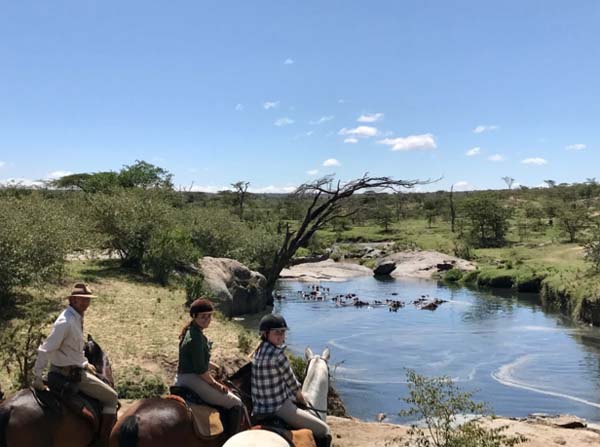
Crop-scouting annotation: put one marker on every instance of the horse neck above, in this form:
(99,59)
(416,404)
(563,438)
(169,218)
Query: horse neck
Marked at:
(316,385)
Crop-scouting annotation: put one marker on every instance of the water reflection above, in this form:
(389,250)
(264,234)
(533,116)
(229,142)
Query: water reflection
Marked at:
(521,358)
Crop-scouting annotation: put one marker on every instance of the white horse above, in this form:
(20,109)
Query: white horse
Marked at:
(314,389)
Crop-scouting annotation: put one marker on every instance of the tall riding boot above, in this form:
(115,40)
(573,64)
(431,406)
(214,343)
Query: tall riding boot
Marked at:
(324,441)
(234,420)
(106,424)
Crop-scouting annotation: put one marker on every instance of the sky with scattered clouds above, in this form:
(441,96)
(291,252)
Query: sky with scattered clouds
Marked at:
(280,93)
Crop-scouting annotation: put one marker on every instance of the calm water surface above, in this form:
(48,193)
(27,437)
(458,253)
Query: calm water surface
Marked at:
(520,358)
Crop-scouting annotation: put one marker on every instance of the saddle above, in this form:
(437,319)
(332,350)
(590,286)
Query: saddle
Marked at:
(64,394)
(205,419)
(295,437)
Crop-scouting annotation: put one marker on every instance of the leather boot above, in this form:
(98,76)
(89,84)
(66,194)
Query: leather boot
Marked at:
(234,420)
(106,424)
(325,441)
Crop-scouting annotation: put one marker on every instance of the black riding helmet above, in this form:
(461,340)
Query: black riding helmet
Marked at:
(272,321)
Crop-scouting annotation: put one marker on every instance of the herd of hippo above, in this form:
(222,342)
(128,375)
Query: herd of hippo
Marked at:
(320,293)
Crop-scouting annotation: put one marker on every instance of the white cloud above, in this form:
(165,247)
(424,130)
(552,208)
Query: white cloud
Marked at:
(496,157)
(425,141)
(271,105)
(322,120)
(239,107)
(484,128)
(57,174)
(351,140)
(288,61)
(360,131)
(575,147)
(534,161)
(313,172)
(22,182)
(260,190)
(370,118)
(283,121)
(331,162)
(473,151)
(463,185)
(2,163)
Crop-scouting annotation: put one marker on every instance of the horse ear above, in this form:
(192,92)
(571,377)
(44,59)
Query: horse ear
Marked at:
(325,355)
(308,353)
(90,337)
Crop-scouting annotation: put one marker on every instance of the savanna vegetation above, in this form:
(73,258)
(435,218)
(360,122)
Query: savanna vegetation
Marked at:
(136,239)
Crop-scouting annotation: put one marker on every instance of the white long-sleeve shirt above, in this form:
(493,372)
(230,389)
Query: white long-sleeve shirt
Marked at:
(64,346)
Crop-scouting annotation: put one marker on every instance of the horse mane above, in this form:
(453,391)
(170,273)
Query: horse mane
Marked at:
(128,432)
(4,417)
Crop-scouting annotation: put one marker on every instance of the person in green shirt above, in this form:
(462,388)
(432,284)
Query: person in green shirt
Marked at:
(194,365)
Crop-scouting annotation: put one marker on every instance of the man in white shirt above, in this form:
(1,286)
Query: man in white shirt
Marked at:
(64,349)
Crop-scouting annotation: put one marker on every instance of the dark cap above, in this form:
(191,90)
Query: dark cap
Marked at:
(201,305)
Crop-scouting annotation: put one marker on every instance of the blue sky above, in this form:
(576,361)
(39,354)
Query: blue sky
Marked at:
(280,92)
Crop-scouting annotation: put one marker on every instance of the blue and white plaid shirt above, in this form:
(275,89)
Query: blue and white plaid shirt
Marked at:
(273,380)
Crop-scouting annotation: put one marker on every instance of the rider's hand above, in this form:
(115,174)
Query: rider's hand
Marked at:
(90,368)
(222,388)
(38,384)
(300,398)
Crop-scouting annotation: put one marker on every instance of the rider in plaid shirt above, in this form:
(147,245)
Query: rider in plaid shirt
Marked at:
(273,381)
(274,385)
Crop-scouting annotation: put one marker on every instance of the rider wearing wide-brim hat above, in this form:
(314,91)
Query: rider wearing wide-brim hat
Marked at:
(274,384)
(194,365)
(64,349)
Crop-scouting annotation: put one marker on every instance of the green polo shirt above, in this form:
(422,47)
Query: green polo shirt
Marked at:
(194,352)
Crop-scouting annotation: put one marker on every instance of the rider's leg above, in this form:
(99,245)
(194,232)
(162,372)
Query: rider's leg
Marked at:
(298,418)
(96,388)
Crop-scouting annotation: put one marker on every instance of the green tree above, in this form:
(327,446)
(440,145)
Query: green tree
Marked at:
(439,404)
(572,220)
(488,220)
(145,175)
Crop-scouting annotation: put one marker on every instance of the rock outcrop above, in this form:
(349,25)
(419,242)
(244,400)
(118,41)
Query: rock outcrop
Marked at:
(237,289)
(384,268)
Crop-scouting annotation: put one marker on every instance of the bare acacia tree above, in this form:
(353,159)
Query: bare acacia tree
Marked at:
(509,181)
(241,188)
(327,198)
(452,210)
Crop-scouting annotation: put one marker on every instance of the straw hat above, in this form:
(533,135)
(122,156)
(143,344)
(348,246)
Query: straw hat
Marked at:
(81,290)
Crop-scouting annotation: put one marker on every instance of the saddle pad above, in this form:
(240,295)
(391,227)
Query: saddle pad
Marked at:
(206,420)
(303,438)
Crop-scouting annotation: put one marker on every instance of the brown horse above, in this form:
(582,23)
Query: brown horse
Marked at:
(24,423)
(159,422)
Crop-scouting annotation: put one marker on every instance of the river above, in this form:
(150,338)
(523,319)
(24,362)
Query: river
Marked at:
(503,345)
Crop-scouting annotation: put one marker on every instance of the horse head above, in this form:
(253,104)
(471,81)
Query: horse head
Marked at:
(316,383)
(96,356)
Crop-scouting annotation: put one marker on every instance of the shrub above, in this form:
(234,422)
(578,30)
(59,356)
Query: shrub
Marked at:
(439,403)
(470,276)
(194,287)
(138,383)
(495,278)
(453,275)
(245,341)
(168,249)
(20,339)
(299,365)
(35,236)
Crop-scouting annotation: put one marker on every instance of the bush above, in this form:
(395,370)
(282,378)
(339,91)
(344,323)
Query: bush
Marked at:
(439,403)
(470,277)
(168,249)
(138,383)
(130,220)
(453,275)
(245,341)
(35,236)
(299,365)
(20,339)
(495,278)
(194,287)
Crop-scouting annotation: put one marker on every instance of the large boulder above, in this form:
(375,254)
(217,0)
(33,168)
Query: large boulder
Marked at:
(237,289)
(384,268)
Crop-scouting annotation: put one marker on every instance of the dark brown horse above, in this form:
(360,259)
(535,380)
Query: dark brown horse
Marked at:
(24,423)
(159,422)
